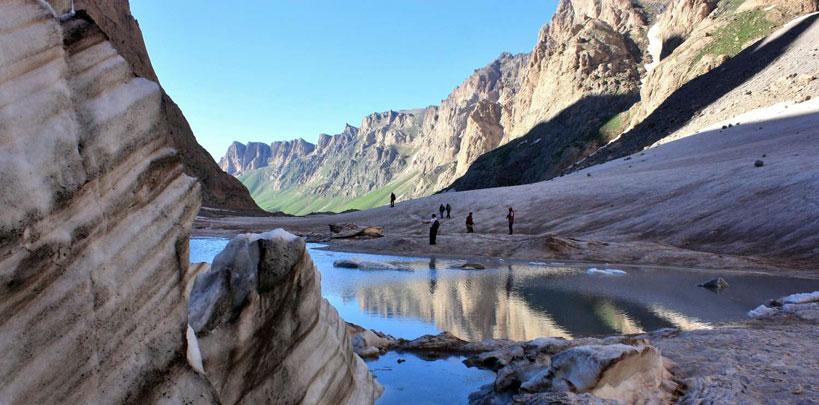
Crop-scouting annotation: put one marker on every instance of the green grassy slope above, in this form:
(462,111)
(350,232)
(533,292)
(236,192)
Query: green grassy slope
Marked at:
(297,202)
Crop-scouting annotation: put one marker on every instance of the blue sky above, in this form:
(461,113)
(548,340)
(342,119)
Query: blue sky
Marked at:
(254,70)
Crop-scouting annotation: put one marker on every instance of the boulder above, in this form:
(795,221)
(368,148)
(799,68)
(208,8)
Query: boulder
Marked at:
(548,345)
(443,342)
(716,284)
(265,334)
(353,231)
(495,359)
(619,372)
(368,343)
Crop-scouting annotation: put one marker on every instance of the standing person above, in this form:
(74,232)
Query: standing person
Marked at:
(433,230)
(511,218)
(448,210)
(392,199)
(441,210)
(470,224)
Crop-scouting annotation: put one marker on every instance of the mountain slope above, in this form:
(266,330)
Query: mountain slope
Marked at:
(692,46)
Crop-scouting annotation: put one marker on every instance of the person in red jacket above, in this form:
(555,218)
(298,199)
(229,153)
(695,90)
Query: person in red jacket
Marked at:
(470,224)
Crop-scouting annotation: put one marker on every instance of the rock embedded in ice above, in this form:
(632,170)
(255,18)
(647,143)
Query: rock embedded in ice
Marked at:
(800,298)
(369,265)
(605,272)
(762,311)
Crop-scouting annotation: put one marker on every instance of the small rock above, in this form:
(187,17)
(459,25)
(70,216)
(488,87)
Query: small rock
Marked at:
(759,163)
(353,231)
(715,284)
(367,265)
(588,174)
(469,266)
(399,361)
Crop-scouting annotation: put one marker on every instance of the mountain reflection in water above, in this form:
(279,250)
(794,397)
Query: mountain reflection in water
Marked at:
(521,301)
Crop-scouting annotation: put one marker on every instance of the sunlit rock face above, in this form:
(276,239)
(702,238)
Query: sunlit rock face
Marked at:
(95,222)
(265,334)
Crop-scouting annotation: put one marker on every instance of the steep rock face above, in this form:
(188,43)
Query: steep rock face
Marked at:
(591,47)
(439,149)
(585,68)
(96,216)
(240,157)
(483,133)
(218,189)
(723,69)
(265,334)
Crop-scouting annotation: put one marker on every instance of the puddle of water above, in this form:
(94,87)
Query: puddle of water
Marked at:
(421,381)
(519,301)
(205,249)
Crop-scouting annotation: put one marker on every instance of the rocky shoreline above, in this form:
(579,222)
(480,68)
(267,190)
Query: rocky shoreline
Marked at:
(748,362)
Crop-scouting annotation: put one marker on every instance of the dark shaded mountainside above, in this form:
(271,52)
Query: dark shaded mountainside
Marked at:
(219,190)
(593,82)
(521,162)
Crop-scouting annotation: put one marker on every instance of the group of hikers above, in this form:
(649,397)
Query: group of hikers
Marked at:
(447,209)
(470,222)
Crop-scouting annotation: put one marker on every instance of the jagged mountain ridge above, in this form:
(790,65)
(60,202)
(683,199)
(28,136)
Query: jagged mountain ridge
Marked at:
(411,152)
(598,69)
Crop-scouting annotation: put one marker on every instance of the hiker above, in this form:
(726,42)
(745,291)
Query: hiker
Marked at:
(470,224)
(511,218)
(441,210)
(392,199)
(448,210)
(433,230)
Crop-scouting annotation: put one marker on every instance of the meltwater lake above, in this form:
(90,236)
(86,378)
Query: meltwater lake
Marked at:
(516,300)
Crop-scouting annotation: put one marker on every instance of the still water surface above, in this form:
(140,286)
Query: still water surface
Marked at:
(515,300)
